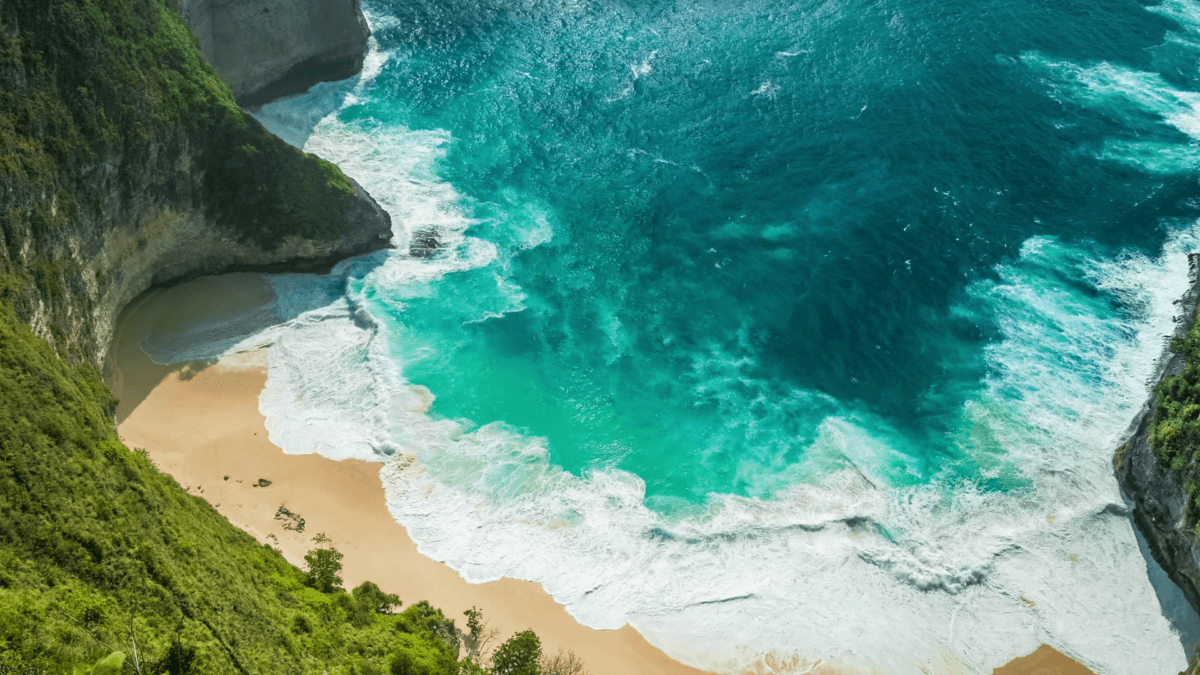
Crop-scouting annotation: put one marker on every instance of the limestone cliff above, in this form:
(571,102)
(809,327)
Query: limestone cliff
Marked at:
(1156,487)
(265,49)
(125,162)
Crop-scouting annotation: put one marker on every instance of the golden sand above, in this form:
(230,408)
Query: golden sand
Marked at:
(200,424)
(1044,661)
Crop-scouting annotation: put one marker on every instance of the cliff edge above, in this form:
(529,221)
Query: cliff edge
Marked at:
(125,162)
(1157,467)
(267,49)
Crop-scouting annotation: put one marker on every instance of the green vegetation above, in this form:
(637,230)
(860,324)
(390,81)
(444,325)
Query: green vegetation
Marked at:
(1175,429)
(109,566)
(98,550)
(519,656)
(108,106)
(324,565)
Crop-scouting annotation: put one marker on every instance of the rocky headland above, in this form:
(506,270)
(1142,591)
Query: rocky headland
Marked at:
(1164,508)
(128,163)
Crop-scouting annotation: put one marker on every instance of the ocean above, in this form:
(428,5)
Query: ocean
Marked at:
(776,329)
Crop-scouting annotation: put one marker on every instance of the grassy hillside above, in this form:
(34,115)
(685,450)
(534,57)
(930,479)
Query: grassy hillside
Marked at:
(98,550)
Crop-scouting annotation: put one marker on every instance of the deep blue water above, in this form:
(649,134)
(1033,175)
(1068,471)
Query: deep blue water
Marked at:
(759,214)
(765,327)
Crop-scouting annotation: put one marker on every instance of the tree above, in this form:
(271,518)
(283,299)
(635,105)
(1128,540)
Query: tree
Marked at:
(518,656)
(370,597)
(324,565)
(366,602)
(478,636)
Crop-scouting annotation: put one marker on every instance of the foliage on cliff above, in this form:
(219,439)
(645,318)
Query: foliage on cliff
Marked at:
(109,113)
(99,549)
(1175,429)
(88,79)
(101,553)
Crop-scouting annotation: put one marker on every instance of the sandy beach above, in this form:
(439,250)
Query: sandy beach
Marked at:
(200,423)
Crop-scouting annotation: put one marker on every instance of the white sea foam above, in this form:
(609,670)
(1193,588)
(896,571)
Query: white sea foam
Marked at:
(765,88)
(294,118)
(1187,14)
(1133,94)
(826,570)
(942,578)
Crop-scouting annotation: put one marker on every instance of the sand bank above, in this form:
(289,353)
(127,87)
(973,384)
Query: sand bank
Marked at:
(200,423)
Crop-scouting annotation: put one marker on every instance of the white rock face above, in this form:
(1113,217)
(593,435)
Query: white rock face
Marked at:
(267,49)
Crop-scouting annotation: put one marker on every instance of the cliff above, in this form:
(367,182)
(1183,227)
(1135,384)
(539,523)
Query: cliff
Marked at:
(125,162)
(266,49)
(1157,468)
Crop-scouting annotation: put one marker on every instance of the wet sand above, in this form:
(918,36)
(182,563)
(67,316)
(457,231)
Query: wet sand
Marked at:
(200,423)
(1044,661)
(207,433)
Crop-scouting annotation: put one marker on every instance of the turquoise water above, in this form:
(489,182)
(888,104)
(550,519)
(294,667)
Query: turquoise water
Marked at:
(750,216)
(765,326)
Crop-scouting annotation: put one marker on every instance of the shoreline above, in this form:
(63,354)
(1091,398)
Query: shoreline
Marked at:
(215,411)
(200,423)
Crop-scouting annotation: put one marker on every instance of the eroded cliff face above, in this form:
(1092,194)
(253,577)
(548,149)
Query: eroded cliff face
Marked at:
(88,269)
(1157,491)
(124,163)
(266,49)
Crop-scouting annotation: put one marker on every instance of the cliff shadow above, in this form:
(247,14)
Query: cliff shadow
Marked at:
(178,331)
(294,118)
(1174,603)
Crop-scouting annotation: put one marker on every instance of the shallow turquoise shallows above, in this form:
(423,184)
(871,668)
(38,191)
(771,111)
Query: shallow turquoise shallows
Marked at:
(753,215)
(804,328)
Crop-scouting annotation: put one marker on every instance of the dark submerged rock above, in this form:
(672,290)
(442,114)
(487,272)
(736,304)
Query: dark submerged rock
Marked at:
(424,243)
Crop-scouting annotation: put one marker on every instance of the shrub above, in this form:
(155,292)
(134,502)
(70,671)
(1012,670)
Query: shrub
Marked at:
(518,656)
(1175,428)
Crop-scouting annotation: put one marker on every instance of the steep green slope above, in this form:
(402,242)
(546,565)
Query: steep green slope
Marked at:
(124,161)
(99,549)
(1160,466)
(1175,428)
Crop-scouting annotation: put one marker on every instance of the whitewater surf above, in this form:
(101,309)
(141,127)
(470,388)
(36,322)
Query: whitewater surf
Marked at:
(765,327)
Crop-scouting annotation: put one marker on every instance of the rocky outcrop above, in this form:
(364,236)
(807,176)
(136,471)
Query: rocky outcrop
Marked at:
(135,167)
(92,267)
(267,49)
(1157,492)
